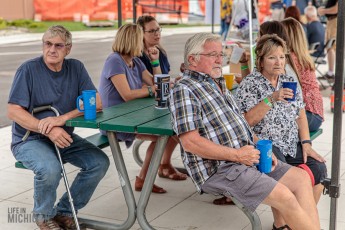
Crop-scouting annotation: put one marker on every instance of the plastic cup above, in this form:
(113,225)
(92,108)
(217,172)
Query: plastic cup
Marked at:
(229,80)
(291,85)
(236,54)
(89,103)
(265,148)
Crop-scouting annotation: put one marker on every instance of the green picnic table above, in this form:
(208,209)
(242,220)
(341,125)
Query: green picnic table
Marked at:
(136,116)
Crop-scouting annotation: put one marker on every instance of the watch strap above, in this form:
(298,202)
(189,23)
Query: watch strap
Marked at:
(306,142)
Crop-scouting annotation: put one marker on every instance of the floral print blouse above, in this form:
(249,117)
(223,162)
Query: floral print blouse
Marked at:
(279,124)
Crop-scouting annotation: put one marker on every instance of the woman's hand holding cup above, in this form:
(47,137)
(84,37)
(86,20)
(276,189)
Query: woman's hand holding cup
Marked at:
(282,94)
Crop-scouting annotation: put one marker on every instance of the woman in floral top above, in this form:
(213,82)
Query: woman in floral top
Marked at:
(262,100)
(306,72)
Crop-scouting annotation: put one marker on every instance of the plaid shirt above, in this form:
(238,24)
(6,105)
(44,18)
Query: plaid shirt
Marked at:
(197,105)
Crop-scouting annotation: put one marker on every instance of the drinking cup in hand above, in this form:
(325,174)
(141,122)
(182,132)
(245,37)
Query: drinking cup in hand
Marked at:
(236,54)
(291,85)
(89,103)
(265,148)
(229,80)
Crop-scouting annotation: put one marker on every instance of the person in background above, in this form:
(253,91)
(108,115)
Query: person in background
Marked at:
(331,12)
(306,73)
(225,17)
(294,12)
(277,8)
(315,30)
(153,49)
(53,80)
(301,5)
(218,144)
(262,99)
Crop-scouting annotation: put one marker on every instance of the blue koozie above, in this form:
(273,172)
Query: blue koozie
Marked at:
(89,101)
(291,85)
(265,148)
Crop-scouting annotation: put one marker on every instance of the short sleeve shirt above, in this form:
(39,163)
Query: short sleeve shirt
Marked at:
(115,65)
(196,105)
(279,124)
(35,85)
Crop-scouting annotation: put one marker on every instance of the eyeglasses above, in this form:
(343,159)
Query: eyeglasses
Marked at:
(157,31)
(58,46)
(214,55)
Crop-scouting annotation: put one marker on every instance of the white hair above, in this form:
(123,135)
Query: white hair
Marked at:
(310,11)
(195,44)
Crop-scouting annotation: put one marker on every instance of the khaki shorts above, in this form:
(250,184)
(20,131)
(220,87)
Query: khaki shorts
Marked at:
(246,184)
(331,31)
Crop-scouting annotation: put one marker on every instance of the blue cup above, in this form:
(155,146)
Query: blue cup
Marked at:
(291,85)
(89,103)
(265,148)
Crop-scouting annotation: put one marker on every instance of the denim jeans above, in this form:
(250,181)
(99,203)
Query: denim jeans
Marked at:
(224,28)
(314,121)
(40,157)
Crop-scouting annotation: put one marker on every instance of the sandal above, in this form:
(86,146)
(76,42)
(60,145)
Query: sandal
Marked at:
(223,201)
(168,171)
(285,227)
(138,186)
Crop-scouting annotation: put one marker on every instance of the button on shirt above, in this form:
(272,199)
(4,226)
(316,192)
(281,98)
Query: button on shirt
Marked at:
(197,105)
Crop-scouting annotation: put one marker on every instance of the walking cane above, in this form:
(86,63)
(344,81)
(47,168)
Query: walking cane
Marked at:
(63,172)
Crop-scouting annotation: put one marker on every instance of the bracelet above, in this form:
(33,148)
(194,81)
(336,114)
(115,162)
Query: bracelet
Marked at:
(244,67)
(267,102)
(155,63)
(150,91)
(272,99)
(306,142)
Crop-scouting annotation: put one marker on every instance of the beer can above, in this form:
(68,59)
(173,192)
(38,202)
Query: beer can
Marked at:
(162,83)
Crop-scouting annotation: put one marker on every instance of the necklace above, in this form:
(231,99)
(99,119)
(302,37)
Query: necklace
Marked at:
(128,63)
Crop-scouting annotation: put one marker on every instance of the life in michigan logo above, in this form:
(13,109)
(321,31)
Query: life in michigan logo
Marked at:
(19,215)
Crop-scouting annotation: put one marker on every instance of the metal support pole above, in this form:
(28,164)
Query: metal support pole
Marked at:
(338,114)
(212,19)
(135,11)
(250,19)
(119,16)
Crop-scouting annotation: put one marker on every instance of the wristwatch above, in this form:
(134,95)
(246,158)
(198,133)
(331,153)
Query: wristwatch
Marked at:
(306,141)
(150,91)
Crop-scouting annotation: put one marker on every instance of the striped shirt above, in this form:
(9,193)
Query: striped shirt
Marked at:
(197,105)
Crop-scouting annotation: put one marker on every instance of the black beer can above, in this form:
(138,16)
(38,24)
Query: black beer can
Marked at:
(162,82)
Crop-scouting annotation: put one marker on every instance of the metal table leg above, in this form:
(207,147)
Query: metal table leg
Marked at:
(148,184)
(126,188)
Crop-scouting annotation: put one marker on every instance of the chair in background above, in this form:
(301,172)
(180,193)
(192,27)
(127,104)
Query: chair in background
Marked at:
(320,60)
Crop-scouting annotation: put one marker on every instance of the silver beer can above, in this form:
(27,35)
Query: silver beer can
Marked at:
(162,83)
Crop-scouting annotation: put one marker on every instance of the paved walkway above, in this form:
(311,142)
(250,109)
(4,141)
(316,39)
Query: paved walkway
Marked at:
(179,209)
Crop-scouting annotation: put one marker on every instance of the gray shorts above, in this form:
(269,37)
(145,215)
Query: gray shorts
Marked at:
(246,184)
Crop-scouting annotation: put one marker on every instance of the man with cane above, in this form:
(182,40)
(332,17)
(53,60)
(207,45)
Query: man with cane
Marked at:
(51,80)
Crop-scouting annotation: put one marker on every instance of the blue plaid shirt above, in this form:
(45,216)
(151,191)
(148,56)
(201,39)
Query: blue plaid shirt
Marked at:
(195,104)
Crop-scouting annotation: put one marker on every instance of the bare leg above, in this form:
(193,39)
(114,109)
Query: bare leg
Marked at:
(169,149)
(331,60)
(147,160)
(317,191)
(291,194)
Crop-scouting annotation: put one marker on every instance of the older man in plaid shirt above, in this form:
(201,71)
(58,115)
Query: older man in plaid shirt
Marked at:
(218,144)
